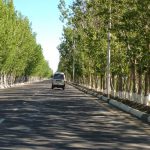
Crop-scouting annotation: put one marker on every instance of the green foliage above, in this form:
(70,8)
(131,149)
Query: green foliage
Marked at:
(84,42)
(20,55)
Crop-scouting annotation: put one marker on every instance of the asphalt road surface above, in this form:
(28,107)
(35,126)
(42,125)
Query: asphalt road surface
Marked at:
(35,117)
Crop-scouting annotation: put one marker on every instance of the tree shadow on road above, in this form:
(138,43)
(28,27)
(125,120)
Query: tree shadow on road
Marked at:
(36,117)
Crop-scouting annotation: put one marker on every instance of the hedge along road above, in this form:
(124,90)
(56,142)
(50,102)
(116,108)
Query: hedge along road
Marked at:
(36,117)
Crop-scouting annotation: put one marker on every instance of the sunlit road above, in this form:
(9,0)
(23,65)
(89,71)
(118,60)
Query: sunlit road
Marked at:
(35,117)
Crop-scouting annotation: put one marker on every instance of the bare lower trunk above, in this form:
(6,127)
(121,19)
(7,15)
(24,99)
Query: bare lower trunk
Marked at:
(90,80)
(139,83)
(146,92)
(133,79)
(5,80)
(96,82)
(101,83)
(104,84)
(120,85)
(112,83)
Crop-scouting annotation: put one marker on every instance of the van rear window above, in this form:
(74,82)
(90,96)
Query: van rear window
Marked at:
(59,76)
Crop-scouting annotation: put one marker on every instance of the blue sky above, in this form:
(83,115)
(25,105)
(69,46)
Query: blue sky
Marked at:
(44,16)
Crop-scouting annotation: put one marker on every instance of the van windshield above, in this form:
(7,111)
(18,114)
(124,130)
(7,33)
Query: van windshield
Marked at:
(59,76)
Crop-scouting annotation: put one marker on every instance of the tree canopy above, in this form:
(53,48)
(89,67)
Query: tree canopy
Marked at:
(85,41)
(20,55)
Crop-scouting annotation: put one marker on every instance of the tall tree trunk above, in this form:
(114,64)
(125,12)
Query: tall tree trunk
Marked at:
(139,83)
(130,86)
(120,85)
(96,82)
(117,85)
(147,88)
(146,92)
(90,80)
(133,78)
(101,83)
(139,86)
(104,83)
(112,83)
(0,80)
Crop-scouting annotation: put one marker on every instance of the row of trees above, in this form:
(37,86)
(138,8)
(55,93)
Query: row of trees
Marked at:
(83,48)
(20,56)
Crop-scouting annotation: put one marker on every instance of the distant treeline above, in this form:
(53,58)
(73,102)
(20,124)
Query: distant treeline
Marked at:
(85,42)
(21,58)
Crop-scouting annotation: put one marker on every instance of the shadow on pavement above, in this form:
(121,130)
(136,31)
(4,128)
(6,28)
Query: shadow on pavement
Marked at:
(36,117)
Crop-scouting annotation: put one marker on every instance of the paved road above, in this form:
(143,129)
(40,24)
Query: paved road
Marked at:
(35,117)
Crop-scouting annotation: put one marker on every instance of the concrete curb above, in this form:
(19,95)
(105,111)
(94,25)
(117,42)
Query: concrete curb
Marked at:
(141,115)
